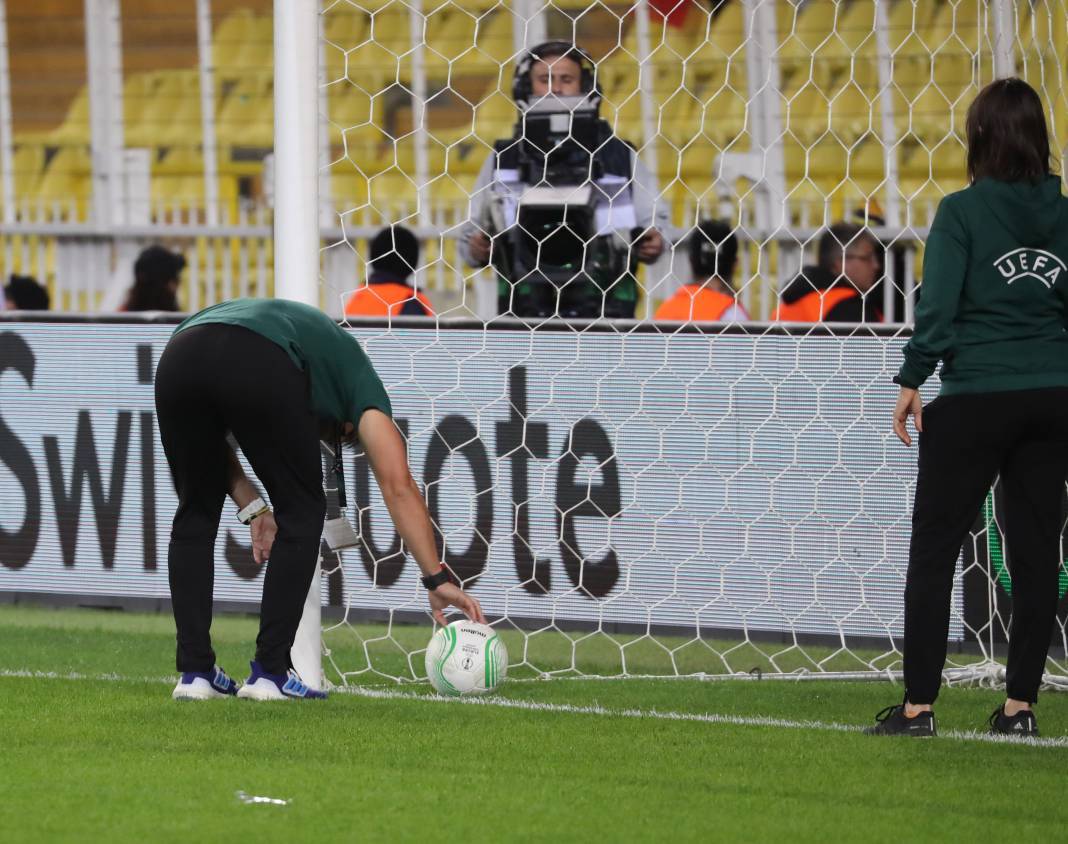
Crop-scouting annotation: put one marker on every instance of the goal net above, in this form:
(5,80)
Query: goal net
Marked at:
(627,495)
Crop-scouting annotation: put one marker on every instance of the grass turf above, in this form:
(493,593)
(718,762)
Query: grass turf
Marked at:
(93,759)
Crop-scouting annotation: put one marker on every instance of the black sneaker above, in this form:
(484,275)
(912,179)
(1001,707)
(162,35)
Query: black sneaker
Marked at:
(1022,724)
(892,721)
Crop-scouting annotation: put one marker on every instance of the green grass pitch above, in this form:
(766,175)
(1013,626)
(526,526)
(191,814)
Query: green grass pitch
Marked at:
(94,749)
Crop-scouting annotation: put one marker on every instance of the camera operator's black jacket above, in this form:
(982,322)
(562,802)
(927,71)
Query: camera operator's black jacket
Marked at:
(618,164)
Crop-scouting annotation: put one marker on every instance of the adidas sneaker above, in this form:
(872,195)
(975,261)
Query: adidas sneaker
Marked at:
(196,685)
(893,721)
(1022,724)
(263,686)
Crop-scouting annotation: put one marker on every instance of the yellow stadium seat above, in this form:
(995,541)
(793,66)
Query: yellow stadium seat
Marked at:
(75,126)
(954,27)
(393,193)
(352,111)
(67,179)
(451,191)
(28,165)
(348,189)
(851,114)
(246,117)
(345,25)
(163,109)
(722,115)
(495,116)
(243,43)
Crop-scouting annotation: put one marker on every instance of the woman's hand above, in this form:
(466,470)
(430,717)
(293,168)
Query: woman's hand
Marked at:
(449,595)
(908,404)
(263,530)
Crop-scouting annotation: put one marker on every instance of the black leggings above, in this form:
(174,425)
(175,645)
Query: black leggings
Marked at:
(212,379)
(967,441)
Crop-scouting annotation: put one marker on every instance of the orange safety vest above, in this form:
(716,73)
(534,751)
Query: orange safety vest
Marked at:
(384,299)
(694,302)
(812,307)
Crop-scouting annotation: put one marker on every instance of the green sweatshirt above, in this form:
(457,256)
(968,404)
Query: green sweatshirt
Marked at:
(343,382)
(994,300)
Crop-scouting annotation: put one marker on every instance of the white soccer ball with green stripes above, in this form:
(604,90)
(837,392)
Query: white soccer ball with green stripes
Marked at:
(466,658)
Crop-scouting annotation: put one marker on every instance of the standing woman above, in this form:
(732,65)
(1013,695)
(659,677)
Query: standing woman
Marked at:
(993,309)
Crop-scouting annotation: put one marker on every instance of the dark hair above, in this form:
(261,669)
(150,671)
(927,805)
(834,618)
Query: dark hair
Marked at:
(522,86)
(838,238)
(395,251)
(1007,135)
(154,270)
(26,294)
(713,250)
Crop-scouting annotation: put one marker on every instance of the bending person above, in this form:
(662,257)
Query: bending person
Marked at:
(279,376)
(993,310)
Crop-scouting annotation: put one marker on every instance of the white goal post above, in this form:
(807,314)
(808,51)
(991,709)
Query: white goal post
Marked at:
(296,222)
(627,498)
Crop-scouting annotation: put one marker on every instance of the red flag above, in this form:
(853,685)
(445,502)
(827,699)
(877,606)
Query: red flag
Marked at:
(670,12)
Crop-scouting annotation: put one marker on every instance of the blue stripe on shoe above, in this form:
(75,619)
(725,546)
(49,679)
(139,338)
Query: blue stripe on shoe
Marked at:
(295,687)
(222,682)
(288,684)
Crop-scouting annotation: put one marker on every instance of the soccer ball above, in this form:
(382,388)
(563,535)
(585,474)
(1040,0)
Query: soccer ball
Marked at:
(466,658)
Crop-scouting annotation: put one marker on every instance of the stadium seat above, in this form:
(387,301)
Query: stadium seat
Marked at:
(495,34)
(495,116)
(66,181)
(163,109)
(27,165)
(246,116)
(348,188)
(393,194)
(344,27)
(243,44)
(75,126)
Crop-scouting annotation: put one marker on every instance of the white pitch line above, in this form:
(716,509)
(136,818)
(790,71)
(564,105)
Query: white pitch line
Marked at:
(699,717)
(572,709)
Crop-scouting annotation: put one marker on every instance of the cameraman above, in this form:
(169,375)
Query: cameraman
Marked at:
(629,222)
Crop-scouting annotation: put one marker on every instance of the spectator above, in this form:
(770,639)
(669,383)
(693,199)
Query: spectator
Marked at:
(604,283)
(23,293)
(155,286)
(710,297)
(394,257)
(836,289)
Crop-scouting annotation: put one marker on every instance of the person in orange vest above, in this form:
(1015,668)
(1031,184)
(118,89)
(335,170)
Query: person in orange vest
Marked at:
(836,289)
(710,297)
(394,257)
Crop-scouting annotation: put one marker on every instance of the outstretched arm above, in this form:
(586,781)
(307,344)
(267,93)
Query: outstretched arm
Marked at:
(389,461)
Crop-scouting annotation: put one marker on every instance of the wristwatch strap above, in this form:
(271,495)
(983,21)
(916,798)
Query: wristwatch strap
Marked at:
(257,507)
(443,575)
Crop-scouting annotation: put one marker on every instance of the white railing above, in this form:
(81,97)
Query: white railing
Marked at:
(89,268)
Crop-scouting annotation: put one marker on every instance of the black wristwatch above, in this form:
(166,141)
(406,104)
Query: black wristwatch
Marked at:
(433,581)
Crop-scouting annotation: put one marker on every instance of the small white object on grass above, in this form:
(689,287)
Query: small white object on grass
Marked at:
(244,797)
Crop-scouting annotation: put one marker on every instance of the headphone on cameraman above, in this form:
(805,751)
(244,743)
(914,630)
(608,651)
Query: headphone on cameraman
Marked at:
(523,88)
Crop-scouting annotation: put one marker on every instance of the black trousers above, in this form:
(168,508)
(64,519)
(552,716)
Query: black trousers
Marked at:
(214,379)
(967,441)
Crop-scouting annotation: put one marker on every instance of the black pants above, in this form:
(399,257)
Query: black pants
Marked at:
(212,379)
(966,442)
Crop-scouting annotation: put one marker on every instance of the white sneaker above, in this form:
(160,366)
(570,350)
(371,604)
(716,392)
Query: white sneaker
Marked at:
(196,685)
(263,686)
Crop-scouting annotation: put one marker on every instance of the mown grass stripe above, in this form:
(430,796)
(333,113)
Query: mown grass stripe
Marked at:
(569,709)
